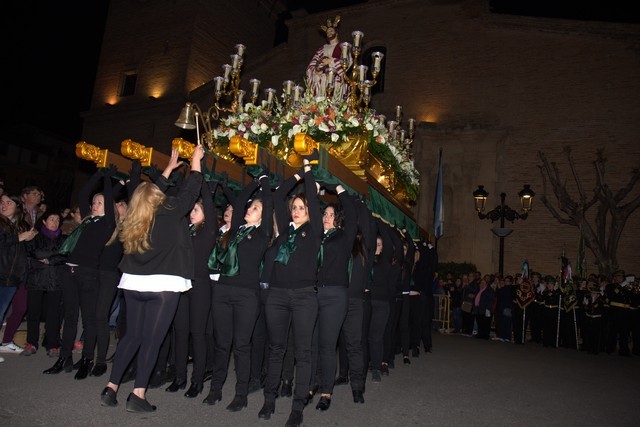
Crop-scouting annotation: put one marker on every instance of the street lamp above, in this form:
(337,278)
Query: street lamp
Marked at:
(502,212)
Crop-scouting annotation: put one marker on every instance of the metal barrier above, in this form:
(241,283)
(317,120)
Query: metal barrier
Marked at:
(442,312)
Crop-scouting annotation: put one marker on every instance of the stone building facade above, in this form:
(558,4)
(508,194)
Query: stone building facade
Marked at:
(490,90)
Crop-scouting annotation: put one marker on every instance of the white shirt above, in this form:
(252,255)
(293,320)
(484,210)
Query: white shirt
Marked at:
(154,283)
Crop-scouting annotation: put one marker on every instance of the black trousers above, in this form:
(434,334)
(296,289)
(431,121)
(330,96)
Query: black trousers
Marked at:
(518,322)
(467,323)
(415,320)
(376,316)
(259,342)
(235,310)
(484,326)
(389,336)
(350,344)
(289,360)
(428,305)
(535,313)
(49,302)
(550,319)
(298,307)
(591,334)
(191,320)
(108,287)
(149,316)
(332,309)
(402,325)
(568,330)
(620,330)
(79,292)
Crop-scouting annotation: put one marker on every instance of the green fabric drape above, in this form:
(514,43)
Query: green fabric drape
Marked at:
(378,204)
(228,258)
(321,251)
(287,248)
(71,241)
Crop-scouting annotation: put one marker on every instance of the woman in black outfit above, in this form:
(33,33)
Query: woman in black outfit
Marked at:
(340,224)
(80,276)
(109,273)
(157,265)
(235,298)
(43,283)
(194,306)
(292,296)
(350,343)
(376,308)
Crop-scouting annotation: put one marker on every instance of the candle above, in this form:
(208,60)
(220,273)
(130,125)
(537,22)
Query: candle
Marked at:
(297,90)
(255,84)
(235,61)
(392,125)
(218,83)
(331,74)
(240,48)
(287,85)
(403,134)
(367,89)
(345,50)
(241,94)
(357,38)
(362,73)
(398,112)
(377,60)
(382,118)
(412,125)
(270,92)
(226,68)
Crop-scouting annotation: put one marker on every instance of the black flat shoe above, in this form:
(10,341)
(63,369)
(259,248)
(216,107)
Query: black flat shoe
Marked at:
(324,403)
(99,369)
(341,380)
(213,397)
(63,363)
(406,360)
(176,385)
(384,369)
(237,403)
(358,396)
(267,409)
(295,419)
(135,404)
(286,390)
(194,390)
(108,397)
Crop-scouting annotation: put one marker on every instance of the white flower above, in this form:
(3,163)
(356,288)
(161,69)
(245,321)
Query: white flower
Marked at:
(369,126)
(255,128)
(232,132)
(274,140)
(242,127)
(354,121)
(296,129)
(334,137)
(311,122)
(263,127)
(323,127)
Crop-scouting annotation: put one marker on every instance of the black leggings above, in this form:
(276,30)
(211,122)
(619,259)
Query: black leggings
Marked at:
(149,315)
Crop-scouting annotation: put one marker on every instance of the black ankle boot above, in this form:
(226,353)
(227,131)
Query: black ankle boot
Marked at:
(295,419)
(63,363)
(84,368)
(99,369)
(358,396)
(324,403)
(194,390)
(213,397)
(177,385)
(268,408)
(286,390)
(237,403)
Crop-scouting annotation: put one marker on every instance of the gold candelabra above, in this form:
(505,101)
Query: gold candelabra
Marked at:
(355,74)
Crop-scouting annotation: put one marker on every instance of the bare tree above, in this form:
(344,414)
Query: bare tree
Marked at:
(611,212)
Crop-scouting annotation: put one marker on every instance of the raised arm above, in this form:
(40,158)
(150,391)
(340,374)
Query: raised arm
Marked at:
(280,202)
(387,244)
(84,201)
(190,189)
(350,215)
(240,204)
(210,214)
(313,202)
(267,205)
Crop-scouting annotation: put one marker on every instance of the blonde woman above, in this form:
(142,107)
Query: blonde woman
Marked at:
(156,266)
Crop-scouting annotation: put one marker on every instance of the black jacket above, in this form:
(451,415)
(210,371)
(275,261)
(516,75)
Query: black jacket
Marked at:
(13,256)
(171,249)
(41,276)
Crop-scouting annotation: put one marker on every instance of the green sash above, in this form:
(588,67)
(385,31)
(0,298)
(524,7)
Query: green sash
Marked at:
(228,258)
(321,251)
(71,241)
(287,248)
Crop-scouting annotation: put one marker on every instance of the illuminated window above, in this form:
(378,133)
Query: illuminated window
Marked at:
(129,83)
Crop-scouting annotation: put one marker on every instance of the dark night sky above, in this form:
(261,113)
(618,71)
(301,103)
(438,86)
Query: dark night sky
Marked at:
(54,46)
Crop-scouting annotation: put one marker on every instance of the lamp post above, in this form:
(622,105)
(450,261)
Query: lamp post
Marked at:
(502,212)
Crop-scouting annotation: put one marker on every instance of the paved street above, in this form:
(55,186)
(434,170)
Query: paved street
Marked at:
(464,381)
